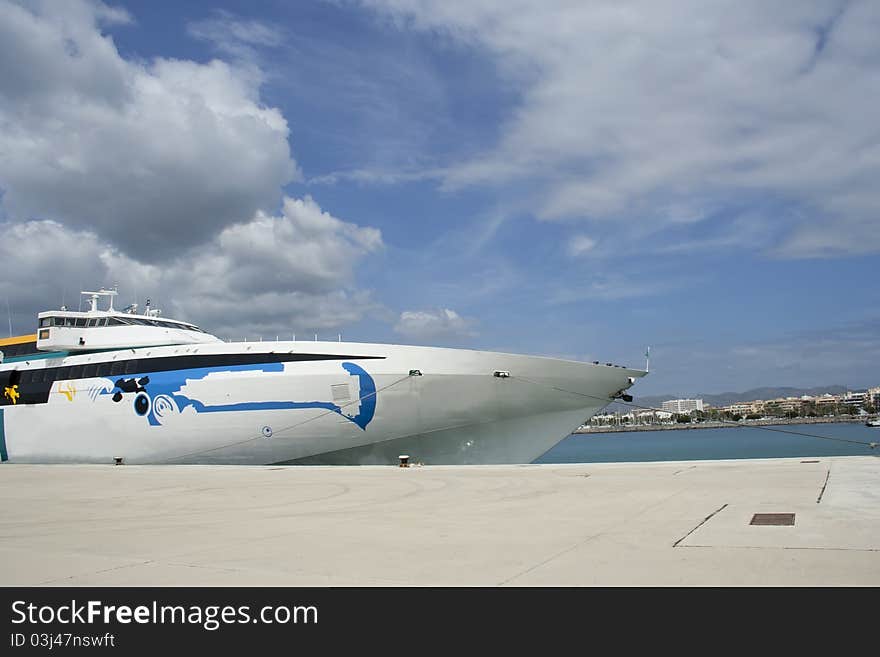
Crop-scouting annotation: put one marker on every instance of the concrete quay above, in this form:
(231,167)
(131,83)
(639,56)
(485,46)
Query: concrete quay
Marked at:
(643,524)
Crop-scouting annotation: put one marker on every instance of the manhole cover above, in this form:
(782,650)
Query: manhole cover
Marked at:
(783,519)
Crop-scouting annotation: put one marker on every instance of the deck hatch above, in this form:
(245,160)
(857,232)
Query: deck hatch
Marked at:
(777,519)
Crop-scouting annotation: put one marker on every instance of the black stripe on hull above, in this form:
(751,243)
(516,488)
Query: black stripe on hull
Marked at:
(34,384)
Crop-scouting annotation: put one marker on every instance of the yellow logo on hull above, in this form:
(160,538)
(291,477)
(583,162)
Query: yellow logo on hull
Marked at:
(11,393)
(69,391)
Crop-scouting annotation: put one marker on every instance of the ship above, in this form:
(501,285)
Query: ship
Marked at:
(103,385)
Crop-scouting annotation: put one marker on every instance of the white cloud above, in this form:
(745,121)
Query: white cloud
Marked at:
(154,157)
(234,36)
(610,288)
(305,248)
(269,276)
(627,110)
(291,272)
(161,177)
(43,263)
(580,244)
(442,324)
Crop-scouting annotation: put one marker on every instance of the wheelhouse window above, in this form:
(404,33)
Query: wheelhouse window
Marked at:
(82,322)
(56,321)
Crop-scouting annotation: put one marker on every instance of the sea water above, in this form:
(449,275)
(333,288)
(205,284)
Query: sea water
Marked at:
(726,443)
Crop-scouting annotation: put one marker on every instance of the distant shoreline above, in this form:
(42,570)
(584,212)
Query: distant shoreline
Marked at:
(711,424)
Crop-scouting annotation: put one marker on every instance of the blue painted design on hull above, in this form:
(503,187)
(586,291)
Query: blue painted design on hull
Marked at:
(4,456)
(367,396)
(159,394)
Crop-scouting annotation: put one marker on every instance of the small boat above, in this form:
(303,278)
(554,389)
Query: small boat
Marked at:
(874,423)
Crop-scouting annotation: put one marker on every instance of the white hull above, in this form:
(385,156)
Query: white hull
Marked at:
(307,411)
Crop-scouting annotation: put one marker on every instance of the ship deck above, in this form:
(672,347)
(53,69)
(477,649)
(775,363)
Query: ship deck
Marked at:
(670,523)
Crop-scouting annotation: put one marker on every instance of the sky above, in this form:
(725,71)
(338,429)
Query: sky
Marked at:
(571,179)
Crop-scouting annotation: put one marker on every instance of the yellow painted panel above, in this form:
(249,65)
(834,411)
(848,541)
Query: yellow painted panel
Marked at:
(19,339)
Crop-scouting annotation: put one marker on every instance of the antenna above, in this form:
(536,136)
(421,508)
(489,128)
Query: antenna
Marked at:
(93,298)
(648,359)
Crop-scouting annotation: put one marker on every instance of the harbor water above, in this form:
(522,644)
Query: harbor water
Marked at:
(709,444)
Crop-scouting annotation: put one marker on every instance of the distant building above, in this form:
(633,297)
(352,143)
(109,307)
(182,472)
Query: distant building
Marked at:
(855,398)
(825,403)
(826,400)
(652,417)
(682,405)
(745,408)
(786,404)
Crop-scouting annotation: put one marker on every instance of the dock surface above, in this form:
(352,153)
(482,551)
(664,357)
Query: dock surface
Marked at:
(617,524)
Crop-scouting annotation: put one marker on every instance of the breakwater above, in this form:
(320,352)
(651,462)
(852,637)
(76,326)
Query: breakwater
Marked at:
(714,424)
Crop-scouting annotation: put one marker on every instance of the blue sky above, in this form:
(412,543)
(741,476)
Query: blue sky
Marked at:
(577,179)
